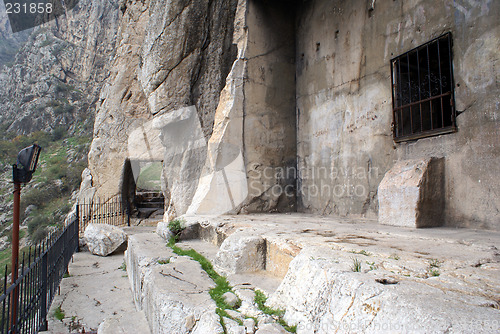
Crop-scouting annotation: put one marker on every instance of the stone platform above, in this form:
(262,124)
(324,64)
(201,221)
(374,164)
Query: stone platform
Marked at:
(329,274)
(340,273)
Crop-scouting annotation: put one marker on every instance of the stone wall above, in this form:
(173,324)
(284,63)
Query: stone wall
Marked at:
(344,104)
(265,106)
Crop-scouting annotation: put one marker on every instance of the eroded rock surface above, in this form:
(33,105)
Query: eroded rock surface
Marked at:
(323,293)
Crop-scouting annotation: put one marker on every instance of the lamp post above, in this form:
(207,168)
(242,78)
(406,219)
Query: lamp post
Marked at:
(22,171)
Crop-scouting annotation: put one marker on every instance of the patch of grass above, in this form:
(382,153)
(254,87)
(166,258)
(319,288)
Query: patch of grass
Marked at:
(361,252)
(434,272)
(176,226)
(394,257)
(123,266)
(59,313)
(221,284)
(167,261)
(66,275)
(260,299)
(434,263)
(372,265)
(356,265)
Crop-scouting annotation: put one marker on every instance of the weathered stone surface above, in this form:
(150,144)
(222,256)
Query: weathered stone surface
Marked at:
(271,329)
(162,64)
(240,253)
(103,239)
(249,325)
(232,327)
(163,231)
(209,323)
(411,194)
(344,105)
(124,324)
(322,294)
(172,291)
(191,229)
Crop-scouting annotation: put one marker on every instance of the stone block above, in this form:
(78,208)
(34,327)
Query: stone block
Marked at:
(174,294)
(103,239)
(411,194)
(241,253)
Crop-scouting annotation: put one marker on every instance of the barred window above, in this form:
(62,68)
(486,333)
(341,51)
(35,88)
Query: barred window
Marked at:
(422,91)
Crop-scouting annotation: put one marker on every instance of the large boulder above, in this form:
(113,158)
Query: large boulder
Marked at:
(103,239)
(240,253)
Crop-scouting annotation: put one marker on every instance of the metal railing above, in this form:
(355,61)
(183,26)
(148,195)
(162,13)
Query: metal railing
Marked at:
(112,211)
(24,303)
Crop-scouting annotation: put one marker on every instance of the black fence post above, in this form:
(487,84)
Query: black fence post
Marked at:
(43,296)
(77,226)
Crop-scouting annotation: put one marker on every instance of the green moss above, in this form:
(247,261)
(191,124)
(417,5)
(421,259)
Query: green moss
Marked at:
(123,266)
(59,313)
(176,226)
(221,284)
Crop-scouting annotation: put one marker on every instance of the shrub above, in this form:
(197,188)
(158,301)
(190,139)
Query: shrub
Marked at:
(176,226)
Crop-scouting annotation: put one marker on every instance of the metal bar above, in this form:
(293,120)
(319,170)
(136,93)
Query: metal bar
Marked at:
(439,67)
(419,93)
(400,95)
(452,84)
(442,112)
(428,133)
(393,86)
(424,100)
(409,77)
(409,91)
(429,76)
(15,253)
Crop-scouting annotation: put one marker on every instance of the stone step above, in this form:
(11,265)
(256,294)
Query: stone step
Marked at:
(172,290)
(148,212)
(157,205)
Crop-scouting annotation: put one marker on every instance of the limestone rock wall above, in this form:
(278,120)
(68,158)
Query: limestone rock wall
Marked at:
(344,104)
(199,85)
(170,54)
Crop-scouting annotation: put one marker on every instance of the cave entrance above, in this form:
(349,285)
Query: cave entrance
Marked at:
(142,188)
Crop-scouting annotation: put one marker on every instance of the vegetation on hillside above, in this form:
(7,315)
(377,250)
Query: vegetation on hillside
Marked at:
(47,199)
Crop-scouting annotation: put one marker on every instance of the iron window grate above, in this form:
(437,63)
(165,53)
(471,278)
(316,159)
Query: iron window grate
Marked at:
(422,91)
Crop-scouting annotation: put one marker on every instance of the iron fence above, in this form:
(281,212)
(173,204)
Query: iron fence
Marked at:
(25,302)
(112,211)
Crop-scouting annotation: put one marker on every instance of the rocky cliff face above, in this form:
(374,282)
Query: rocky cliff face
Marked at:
(9,42)
(193,86)
(170,55)
(55,77)
(50,79)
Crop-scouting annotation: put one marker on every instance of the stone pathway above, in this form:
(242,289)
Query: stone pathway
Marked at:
(97,291)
